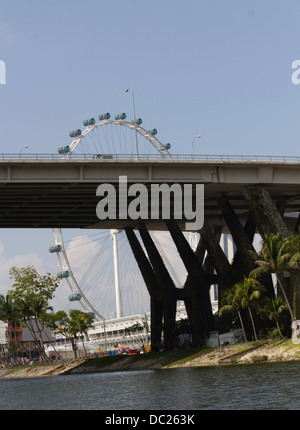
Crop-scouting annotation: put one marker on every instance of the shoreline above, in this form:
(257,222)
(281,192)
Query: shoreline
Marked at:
(233,354)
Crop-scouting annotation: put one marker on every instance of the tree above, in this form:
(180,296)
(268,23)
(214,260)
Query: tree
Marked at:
(28,280)
(77,322)
(135,330)
(60,323)
(232,301)
(292,246)
(9,314)
(80,323)
(30,295)
(274,258)
(274,308)
(248,291)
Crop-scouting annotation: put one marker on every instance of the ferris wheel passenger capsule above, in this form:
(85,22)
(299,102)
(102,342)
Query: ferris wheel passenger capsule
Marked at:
(75,133)
(120,116)
(64,274)
(153,131)
(87,122)
(104,116)
(167,145)
(138,121)
(64,150)
(74,297)
(56,248)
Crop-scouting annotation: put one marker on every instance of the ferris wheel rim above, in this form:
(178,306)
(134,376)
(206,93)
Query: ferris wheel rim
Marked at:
(160,147)
(85,303)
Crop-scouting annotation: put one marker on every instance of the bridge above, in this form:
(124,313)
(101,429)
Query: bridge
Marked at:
(242,195)
(45,191)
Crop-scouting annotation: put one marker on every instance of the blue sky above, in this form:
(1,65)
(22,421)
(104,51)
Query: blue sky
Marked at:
(217,68)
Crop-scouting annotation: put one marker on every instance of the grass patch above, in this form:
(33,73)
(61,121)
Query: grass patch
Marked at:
(259,358)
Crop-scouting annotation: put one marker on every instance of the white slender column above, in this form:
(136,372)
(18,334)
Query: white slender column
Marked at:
(119,310)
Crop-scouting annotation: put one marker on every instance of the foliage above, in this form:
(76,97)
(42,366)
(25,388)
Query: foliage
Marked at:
(274,308)
(274,258)
(232,301)
(249,291)
(292,246)
(29,296)
(29,283)
(133,329)
(70,326)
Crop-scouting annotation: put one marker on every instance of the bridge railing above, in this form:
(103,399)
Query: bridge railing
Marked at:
(189,157)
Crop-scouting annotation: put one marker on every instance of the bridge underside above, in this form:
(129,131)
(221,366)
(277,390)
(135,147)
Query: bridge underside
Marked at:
(40,205)
(240,199)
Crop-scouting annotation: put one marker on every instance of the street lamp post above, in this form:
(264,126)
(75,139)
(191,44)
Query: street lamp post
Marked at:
(25,147)
(134,118)
(197,137)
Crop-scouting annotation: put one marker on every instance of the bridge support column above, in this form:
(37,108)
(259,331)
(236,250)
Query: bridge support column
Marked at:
(239,235)
(223,268)
(196,289)
(219,259)
(156,299)
(168,289)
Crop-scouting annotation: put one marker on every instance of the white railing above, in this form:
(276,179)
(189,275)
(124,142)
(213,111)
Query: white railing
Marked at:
(188,157)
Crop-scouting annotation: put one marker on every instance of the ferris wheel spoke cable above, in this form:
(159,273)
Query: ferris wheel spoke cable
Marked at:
(100,140)
(100,235)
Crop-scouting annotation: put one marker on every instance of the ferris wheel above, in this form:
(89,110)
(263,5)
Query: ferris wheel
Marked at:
(90,263)
(111,138)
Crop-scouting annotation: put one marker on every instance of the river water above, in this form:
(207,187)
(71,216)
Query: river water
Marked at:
(257,386)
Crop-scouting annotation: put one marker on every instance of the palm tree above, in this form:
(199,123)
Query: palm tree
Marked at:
(80,323)
(274,308)
(292,246)
(8,314)
(231,301)
(249,290)
(273,258)
(7,310)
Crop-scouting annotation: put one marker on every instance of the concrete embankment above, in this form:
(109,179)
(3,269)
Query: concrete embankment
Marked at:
(243,353)
(38,370)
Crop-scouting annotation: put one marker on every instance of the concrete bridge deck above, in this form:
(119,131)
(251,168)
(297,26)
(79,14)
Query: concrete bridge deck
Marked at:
(44,192)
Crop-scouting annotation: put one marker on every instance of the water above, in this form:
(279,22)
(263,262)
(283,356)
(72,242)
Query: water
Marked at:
(259,386)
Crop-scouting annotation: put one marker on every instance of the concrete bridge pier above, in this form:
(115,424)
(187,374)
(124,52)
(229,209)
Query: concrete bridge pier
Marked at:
(164,294)
(167,288)
(156,297)
(196,288)
(242,239)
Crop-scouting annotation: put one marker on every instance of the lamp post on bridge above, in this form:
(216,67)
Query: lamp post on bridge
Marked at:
(134,119)
(197,137)
(25,147)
